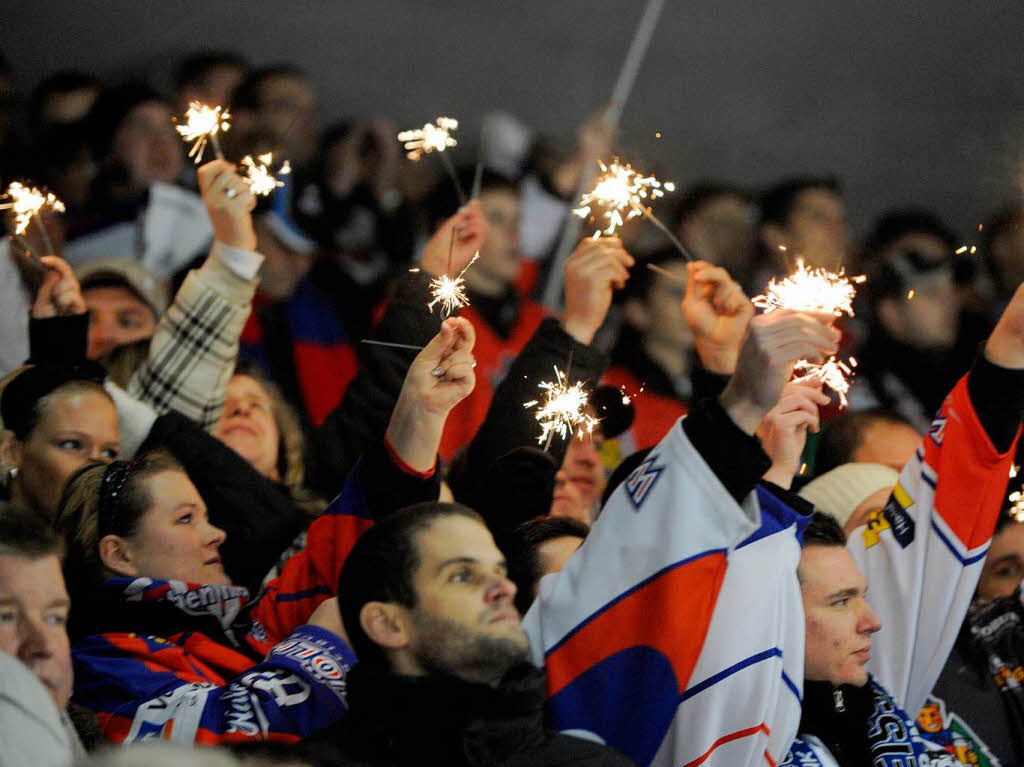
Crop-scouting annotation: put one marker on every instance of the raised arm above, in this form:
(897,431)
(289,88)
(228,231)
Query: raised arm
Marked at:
(922,554)
(193,352)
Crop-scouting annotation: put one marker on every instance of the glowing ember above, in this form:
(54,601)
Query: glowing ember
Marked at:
(563,410)
(620,189)
(450,292)
(202,124)
(257,173)
(817,290)
(430,138)
(26,202)
(814,290)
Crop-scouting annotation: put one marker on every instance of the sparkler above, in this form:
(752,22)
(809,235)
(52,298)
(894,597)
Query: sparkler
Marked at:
(563,410)
(27,202)
(202,124)
(816,290)
(450,292)
(257,173)
(622,190)
(434,137)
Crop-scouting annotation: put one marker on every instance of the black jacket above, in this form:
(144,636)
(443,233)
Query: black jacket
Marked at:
(435,720)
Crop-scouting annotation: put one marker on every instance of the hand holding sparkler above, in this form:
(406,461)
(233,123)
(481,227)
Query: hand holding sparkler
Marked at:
(773,344)
(230,214)
(60,294)
(783,432)
(1005,347)
(717,311)
(439,378)
(594,271)
(201,125)
(445,255)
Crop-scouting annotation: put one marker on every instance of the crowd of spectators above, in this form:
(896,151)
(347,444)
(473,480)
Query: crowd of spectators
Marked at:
(229,523)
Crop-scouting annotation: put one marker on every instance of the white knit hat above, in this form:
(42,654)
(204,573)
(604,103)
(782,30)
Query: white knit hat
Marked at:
(839,492)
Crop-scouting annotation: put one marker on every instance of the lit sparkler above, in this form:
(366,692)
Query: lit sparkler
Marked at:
(450,292)
(563,410)
(816,290)
(434,137)
(26,202)
(258,175)
(202,124)
(622,192)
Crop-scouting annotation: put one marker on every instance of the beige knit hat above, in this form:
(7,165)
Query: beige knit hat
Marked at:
(839,492)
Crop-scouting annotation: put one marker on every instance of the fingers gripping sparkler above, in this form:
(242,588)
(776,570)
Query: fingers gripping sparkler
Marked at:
(816,290)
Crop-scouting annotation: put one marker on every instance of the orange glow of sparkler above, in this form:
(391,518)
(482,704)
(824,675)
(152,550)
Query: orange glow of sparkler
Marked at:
(26,202)
(258,175)
(620,189)
(450,292)
(563,409)
(202,124)
(432,137)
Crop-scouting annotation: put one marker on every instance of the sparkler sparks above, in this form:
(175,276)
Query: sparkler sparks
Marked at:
(621,189)
(202,124)
(563,410)
(432,137)
(26,202)
(450,292)
(257,173)
(817,290)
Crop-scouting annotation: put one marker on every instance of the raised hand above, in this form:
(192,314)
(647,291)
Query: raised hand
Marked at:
(470,227)
(1005,347)
(774,342)
(229,203)
(439,378)
(717,313)
(60,294)
(783,432)
(594,270)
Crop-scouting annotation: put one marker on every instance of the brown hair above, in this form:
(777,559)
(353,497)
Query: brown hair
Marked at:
(100,500)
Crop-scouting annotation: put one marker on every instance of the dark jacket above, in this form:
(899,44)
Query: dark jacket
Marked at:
(434,720)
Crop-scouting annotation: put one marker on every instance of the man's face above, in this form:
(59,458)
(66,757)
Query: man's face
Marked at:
(34,609)
(288,111)
(1004,564)
(817,228)
(663,322)
(722,232)
(464,622)
(839,622)
(499,260)
(928,319)
(117,316)
(147,146)
(581,480)
(890,444)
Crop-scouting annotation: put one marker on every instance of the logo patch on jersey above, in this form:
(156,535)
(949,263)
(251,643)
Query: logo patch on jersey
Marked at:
(875,525)
(937,430)
(642,481)
(952,734)
(895,513)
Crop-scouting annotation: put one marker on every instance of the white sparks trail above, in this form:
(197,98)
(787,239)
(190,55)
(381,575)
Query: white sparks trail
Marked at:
(432,137)
(450,292)
(563,409)
(620,189)
(26,202)
(202,124)
(259,176)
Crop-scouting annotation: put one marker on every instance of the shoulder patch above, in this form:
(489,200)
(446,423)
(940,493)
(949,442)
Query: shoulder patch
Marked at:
(643,480)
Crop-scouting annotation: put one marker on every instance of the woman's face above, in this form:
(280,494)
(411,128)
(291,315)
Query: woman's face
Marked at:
(74,428)
(174,540)
(247,425)
(1004,564)
(147,146)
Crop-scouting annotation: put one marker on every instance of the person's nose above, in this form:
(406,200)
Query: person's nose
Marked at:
(501,589)
(36,643)
(237,407)
(103,337)
(869,621)
(215,537)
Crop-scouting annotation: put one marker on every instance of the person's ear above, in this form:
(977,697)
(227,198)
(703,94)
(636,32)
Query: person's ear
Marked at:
(11,450)
(117,555)
(636,314)
(385,624)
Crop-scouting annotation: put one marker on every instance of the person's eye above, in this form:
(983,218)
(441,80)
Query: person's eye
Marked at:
(8,615)
(57,619)
(130,322)
(462,575)
(70,444)
(1008,571)
(185,519)
(110,453)
(841,602)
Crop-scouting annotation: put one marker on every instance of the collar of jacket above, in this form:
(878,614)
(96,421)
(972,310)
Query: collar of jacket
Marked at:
(844,733)
(441,719)
(161,608)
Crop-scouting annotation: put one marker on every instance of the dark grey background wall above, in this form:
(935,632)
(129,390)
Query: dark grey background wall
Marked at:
(908,100)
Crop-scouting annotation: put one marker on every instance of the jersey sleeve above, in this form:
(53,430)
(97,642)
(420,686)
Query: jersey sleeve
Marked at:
(145,688)
(621,627)
(922,553)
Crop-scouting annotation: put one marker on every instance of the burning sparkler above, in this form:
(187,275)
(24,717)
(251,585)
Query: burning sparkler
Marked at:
(621,192)
(816,290)
(434,137)
(202,124)
(450,292)
(563,410)
(258,175)
(27,202)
